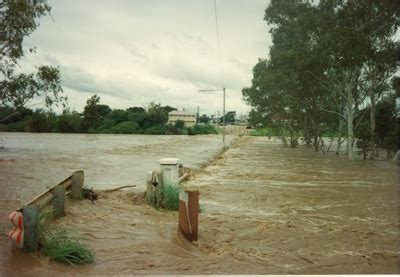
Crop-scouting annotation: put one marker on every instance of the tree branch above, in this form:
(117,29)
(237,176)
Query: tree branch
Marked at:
(329,111)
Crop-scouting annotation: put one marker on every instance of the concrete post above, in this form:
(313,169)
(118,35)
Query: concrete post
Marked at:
(58,201)
(170,170)
(30,228)
(76,188)
(189,214)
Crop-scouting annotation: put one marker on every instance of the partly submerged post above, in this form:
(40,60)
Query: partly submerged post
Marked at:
(189,214)
(77,185)
(25,219)
(59,201)
(169,170)
(30,219)
(169,174)
(155,188)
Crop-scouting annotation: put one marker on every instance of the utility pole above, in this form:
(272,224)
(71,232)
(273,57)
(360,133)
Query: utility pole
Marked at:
(223,109)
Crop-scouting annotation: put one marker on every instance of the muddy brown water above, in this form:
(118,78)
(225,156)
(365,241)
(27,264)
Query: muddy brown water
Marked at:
(267,209)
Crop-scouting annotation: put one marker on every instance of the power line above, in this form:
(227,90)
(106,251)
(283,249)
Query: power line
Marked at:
(218,43)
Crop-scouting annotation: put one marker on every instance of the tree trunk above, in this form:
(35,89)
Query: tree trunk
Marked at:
(339,137)
(306,134)
(372,118)
(350,119)
(316,141)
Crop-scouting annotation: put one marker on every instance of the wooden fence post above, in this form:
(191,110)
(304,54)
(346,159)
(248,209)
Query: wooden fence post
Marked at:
(30,214)
(189,214)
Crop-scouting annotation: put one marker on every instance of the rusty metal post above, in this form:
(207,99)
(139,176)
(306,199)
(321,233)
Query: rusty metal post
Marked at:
(189,214)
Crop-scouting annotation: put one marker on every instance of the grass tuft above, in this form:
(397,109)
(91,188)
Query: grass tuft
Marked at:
(62,247)
(60,244)
(171,197)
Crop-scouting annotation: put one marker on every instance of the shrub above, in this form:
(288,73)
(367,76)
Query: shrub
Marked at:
(60,246)
(204,129)
(156,130)
(126,127)
(259,132)
(171,197)
(16,127)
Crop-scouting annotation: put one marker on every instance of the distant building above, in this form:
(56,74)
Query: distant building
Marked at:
(188,118)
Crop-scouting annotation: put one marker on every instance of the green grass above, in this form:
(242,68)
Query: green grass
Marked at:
(259,132)
(62,247)
(201,209)
(171,197)
(61,244)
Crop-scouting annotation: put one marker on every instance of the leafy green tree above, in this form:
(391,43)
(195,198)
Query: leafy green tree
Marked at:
(180,124)
(117,116)
(203,129)
(6,110)
(126,127)
(230,117)
(94,113)
(158,129)
(42,122)
(326,59)
(70,122)
(17,90)
(18,19)
(169,109)
(156,115)
(204,119)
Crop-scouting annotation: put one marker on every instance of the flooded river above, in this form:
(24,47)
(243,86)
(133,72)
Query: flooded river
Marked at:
(267,209)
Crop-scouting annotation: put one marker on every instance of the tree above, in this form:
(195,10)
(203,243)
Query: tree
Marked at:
(326,59)
(18,89)
(42,122)
(136,110)
(156,115)
(230,117)
(355,33)
(70,122)
(204,119)
(18,19)
(180,124)
(94,112)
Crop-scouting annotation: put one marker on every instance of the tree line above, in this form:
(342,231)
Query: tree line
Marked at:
(331,69)
(101,119)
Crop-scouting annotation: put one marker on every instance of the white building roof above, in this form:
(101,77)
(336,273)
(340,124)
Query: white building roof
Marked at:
(181,113)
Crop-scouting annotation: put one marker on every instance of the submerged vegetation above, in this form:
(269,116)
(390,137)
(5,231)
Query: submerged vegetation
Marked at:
(62,247)
(330,70)
(171,197)
(60,244)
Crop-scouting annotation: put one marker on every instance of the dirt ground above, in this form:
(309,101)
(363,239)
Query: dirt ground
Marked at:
(267,210)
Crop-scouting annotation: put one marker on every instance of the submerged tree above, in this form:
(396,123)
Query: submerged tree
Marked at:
(327,61)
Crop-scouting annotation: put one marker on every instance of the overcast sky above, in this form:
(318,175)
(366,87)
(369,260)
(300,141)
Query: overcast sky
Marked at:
(132,52)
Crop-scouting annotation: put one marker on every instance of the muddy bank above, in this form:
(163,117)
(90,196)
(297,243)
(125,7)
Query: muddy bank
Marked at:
(268,209)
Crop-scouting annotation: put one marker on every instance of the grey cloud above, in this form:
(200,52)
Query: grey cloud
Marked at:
(153,50)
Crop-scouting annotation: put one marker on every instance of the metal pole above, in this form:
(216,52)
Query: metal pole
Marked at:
(223,131)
